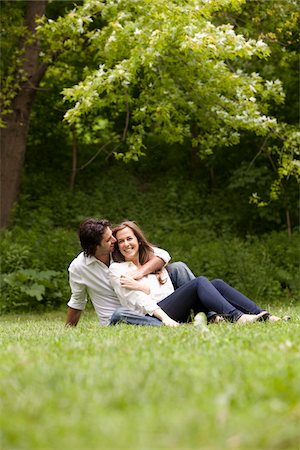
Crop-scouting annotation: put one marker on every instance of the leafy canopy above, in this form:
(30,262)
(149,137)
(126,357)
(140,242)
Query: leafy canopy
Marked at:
(163,68)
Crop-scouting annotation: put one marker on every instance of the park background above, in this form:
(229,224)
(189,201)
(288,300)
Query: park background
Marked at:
(182,116)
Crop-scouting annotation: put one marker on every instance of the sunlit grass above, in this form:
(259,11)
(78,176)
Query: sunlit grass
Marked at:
(149,388)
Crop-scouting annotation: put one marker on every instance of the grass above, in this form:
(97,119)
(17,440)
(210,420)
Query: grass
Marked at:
(144,388)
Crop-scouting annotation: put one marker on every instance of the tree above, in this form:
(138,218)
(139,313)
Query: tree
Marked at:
(27,77)
(167,70)
(26,59)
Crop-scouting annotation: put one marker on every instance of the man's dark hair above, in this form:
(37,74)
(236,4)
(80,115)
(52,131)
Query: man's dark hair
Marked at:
(90,234)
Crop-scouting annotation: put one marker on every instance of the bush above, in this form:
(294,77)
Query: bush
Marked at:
(34,267)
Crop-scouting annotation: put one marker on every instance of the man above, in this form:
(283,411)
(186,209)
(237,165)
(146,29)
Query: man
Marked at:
(89,275)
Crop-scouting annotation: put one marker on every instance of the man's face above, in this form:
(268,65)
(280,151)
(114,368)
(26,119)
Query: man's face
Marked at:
(107,242)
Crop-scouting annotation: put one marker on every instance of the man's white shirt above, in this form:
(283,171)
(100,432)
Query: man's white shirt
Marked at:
(89,277)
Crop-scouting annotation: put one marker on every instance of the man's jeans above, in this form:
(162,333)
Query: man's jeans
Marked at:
(179,274)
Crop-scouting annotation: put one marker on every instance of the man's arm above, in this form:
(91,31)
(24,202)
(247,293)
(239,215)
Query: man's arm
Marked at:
(157,262)
(154,264)
(73,316)
(78,298)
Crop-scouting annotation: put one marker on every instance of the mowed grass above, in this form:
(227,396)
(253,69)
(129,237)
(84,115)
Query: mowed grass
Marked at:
(125,387)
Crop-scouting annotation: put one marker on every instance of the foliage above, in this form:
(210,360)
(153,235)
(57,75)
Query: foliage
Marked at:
(177,73)
(33,268)
(277,24)
(29,283)
(140,388)
(11,74)
(164,72)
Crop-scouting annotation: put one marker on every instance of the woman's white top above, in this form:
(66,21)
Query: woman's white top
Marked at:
(137,300)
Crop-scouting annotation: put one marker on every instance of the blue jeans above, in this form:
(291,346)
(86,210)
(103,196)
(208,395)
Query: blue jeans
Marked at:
(179,274)
(202,295)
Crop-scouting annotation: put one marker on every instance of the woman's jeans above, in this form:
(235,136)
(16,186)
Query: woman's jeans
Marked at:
(202,295)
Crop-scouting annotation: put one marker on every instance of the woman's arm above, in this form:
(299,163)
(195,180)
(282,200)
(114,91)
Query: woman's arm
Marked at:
(166,320)
(135,299)
(128,282)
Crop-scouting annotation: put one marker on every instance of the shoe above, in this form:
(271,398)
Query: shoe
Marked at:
(247,318)
(264,315)
(250,318)
(200,322)
(272,318)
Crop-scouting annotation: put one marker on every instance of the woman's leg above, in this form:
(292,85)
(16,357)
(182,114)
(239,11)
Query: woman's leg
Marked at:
(197,295)
(180,274)
(236,298)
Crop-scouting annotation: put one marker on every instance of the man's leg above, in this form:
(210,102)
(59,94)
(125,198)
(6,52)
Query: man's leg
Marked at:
(180,274)
(124,315)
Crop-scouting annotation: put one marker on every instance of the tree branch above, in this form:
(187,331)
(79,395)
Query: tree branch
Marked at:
(126,119)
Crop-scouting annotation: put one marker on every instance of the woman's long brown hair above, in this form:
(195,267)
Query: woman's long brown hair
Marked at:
(145,247)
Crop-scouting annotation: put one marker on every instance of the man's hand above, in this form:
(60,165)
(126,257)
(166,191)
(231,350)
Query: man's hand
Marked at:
(73,316)
(129,282)
(153,265)
(138,274)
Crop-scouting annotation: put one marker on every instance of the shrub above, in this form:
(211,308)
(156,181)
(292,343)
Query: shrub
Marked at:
(34,267)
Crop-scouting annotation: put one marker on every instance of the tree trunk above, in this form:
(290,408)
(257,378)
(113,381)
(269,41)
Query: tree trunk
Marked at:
(14,136)
(74,160)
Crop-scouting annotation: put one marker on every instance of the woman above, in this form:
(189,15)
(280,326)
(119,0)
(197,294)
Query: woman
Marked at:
(154,294)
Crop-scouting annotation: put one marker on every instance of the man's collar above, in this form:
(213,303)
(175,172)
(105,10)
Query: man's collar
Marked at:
(91,259)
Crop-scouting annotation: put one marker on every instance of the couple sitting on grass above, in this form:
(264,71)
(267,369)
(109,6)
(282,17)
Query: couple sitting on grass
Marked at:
(130,281)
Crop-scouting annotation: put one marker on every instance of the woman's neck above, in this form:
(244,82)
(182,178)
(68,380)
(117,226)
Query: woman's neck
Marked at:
(136,262)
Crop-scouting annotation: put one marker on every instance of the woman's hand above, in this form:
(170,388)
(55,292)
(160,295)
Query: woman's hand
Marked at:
(170,322)
(166,320)
(128,282)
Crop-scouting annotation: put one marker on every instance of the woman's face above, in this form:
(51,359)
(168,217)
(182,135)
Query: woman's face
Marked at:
(128,244)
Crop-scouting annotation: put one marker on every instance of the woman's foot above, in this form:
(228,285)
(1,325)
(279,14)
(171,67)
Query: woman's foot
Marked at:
(250,318)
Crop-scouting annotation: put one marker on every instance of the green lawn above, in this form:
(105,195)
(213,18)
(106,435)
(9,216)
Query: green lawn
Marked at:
(138,388)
